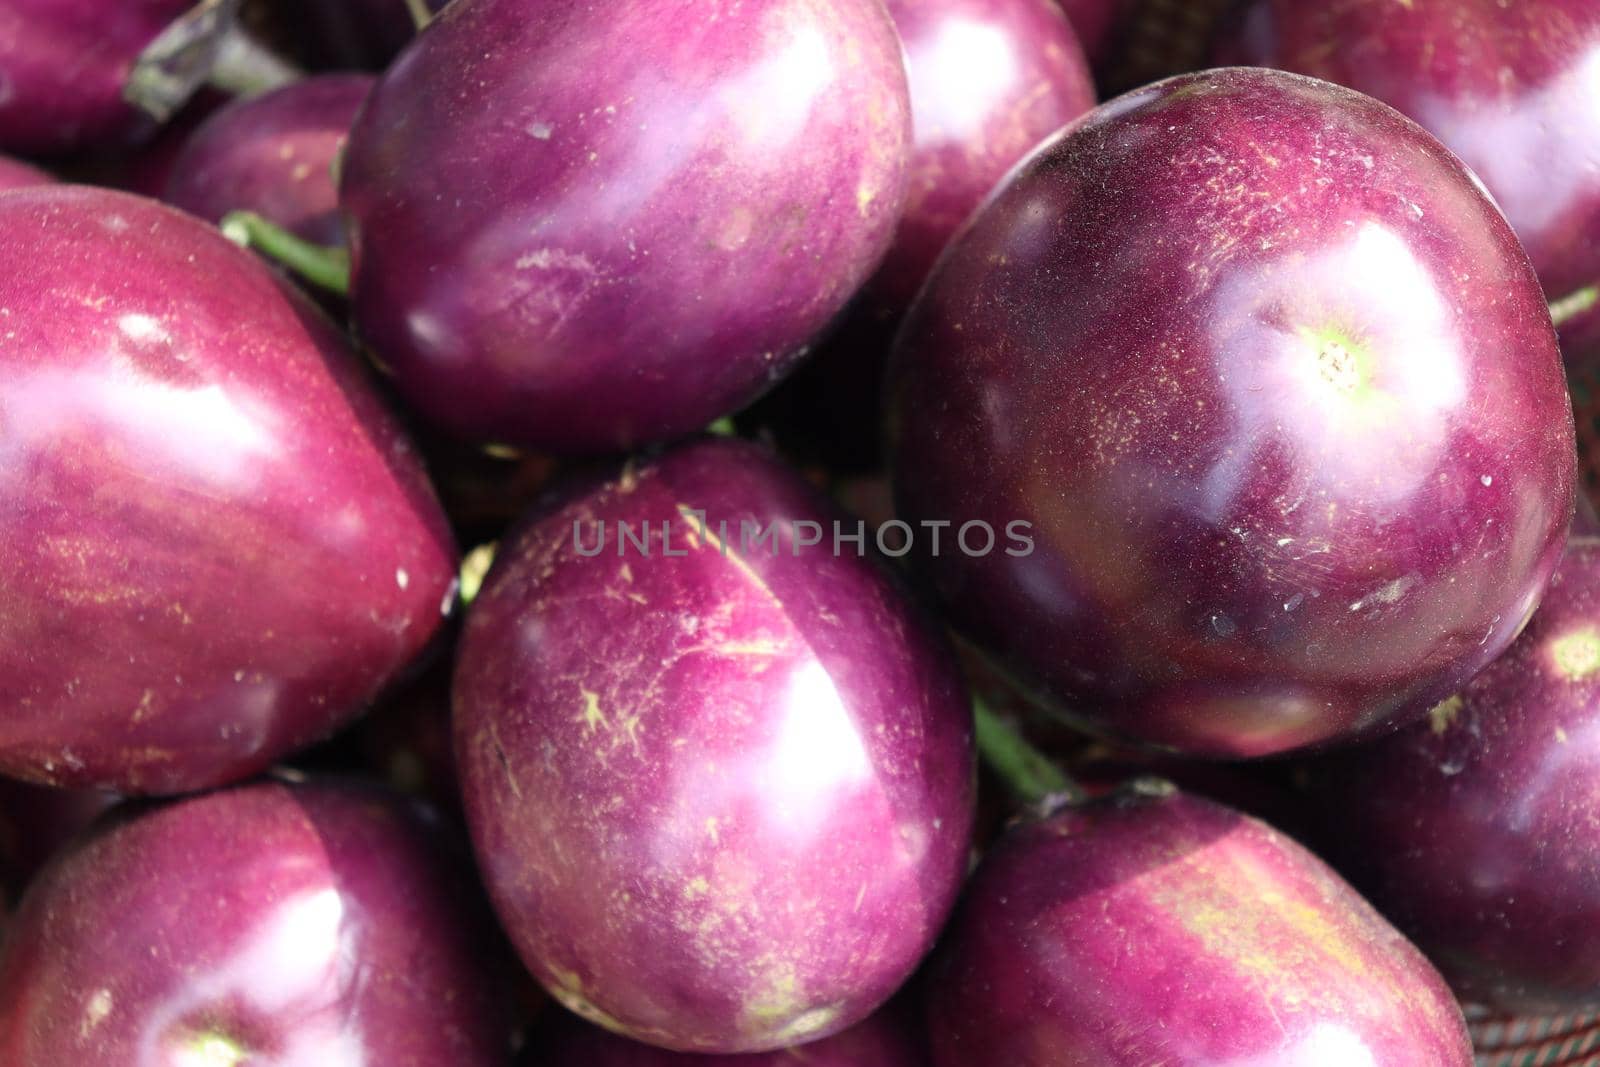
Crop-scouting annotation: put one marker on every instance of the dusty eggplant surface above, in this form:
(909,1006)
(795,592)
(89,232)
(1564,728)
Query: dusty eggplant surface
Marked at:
(580,228)
(1279,394)
(15,174)
(285,924)
(63,64)
(722,802)
(1172,930)
(1508,87)
(1475,830)
(274,155)
(216,545)
(990,79)
(880,1041)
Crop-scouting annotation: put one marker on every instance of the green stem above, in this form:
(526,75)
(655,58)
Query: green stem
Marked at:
(420,14)
(203,45)
(1027,772)
(1574,304)
(723,427)
(321,265)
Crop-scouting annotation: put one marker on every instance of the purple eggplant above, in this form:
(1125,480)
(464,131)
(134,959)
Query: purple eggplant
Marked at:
(216,545)
(1508,87)
(312,924)
(1158,928)
(273,155)
(63,67)
(1276,394)
(881,1041)
(721,786)
(584,228)
(1475,830)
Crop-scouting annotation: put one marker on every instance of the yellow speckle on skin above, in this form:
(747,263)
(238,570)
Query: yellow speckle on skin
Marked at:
(1444,714)
(95,1013)
(567,988)
(1576,654)
(1561,736)
(865,195)
(697,887)
(713,831)
(778,1001)
(592,716)
(805,1024)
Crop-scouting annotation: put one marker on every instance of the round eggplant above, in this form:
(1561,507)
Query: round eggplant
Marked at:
(1276,394)
(216,545)
(584,228)
(721,785)
(1161,928)
(287,924)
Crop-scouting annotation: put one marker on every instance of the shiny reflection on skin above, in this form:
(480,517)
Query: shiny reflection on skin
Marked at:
(1527,152)
(816,752)
(1325,1045)
(299,964)
(1386,346)
(1565,768)
(224,444)
(982,56)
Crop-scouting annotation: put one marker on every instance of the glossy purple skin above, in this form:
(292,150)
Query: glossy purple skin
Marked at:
(1174,931)
(722,803)
(647,228)
(35,822)
(878,1042)
(274,924)
(15,174)
(1508,87)
(273,155)
(216,545)
(1475,831)
(63,64)
(1277,390)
